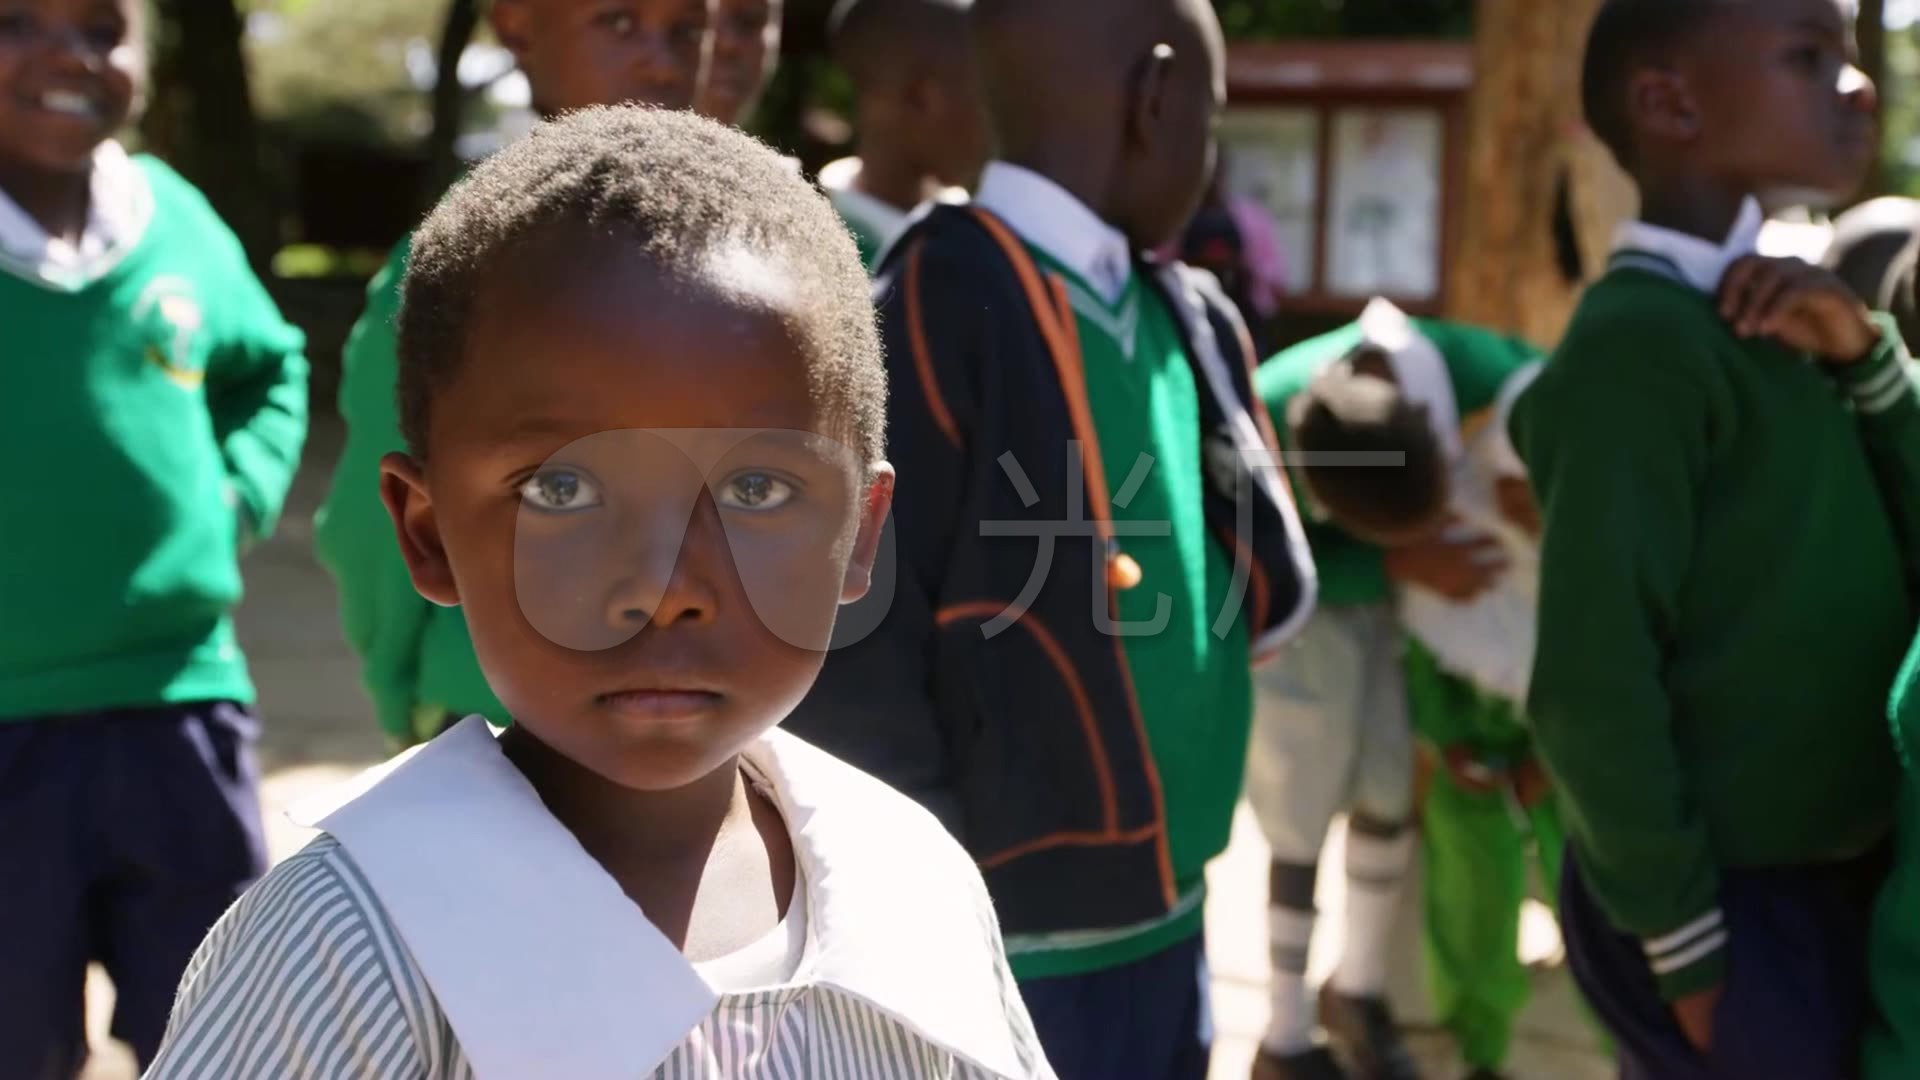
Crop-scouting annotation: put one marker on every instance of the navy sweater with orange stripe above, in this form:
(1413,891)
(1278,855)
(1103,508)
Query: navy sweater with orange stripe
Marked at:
(983,685)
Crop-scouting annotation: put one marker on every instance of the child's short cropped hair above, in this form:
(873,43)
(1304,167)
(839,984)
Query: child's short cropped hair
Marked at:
(1626,34)
(682,188)
(1344,414)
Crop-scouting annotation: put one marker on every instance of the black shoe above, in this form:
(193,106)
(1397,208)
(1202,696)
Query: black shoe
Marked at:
(1362,1029)
(1314,1064)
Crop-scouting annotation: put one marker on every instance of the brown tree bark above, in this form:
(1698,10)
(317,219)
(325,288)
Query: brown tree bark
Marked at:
(449,97)
(202,117)
(1525,134)
(1871,33)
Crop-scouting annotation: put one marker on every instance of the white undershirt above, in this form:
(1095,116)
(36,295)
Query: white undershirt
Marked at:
(774,958)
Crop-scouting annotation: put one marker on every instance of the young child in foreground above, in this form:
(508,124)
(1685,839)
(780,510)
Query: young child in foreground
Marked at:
(416,659)
(1719,447)
(643,393)
(156,402)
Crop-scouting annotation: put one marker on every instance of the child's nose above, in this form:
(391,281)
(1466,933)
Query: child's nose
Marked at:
(1858,89)
(69,45)
(667,584)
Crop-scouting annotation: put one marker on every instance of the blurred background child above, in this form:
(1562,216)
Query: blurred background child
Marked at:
(160,400)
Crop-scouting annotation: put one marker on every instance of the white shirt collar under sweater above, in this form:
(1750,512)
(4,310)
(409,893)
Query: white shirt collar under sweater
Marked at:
(500,905)
(119,209)
(1049,217)
(1700,262)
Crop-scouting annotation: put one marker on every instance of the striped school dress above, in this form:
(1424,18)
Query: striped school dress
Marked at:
(479,939)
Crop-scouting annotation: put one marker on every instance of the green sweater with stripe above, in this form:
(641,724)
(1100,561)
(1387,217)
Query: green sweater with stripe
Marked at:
(1726,593)
(169,400)
(1479,363)
(416,659)
(1194,687)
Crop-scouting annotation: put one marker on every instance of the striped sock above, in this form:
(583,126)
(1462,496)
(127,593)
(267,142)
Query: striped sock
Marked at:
(1290,1028)
(1376,868)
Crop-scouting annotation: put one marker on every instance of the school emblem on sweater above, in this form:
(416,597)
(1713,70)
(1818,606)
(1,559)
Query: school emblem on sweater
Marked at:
(171,315)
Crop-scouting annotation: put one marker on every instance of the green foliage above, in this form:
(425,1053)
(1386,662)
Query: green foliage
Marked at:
(1259,19)
(336,71)
(1900,119)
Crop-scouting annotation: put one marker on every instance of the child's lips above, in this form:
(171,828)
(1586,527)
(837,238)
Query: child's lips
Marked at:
(665,704)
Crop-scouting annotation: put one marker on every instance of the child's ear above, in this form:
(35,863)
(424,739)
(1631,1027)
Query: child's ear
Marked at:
(923,95)
(403,487)
(866,543)
(1148,98)
(1662,105)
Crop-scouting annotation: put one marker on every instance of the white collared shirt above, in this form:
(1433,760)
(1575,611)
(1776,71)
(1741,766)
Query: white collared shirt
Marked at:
(1049,217)
(447,925)
(1701,263)
(119,209)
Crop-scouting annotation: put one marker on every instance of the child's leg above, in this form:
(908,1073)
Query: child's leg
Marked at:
(45,771)
(1474,881)
(185,843)
(1379,830)
(1549,845)
(1300,767)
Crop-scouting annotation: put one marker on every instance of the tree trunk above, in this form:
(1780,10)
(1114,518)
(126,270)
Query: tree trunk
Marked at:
(1526,139)
(202,117)
(1872,35)
(449,97)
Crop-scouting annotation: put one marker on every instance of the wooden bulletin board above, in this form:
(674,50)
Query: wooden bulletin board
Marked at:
(1354,150)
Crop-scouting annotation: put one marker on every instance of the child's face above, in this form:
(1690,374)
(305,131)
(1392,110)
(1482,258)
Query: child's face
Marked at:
(621,492)
(746,46)
(67,74)
(1777,103)
(955,142)
(578,53)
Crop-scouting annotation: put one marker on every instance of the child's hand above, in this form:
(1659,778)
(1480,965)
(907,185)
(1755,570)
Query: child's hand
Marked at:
(1530,783)
(1517,505)
(1458,569)
(1802,306)
(1469,773)
(1695,1014)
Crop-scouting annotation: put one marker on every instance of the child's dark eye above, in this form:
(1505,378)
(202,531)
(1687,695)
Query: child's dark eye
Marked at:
(560,491)
(1807,57)
(689,33)
(106,36)
(620,23)
(754,491)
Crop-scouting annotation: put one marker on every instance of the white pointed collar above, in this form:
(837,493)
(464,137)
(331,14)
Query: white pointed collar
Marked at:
(1052,219)
(500,905)
(1700,262)
(119,209)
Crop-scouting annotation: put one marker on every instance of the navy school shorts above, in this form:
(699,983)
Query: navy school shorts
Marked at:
(1794,1003)
(123,836)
